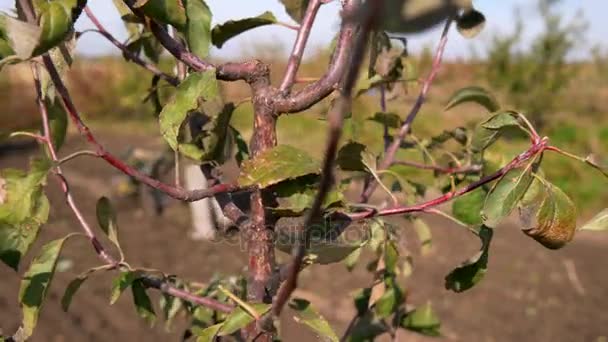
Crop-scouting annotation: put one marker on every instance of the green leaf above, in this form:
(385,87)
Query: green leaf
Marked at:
(215,139)
(295,196)
(75,284)
(36,281)
(467,208)
(170,12)
(391,256)
(307,315)
(555,220)
(506,193)
(390,300)
(142,302)
(355,157)
(55,23)
(186,99)
(295,8)
(352,259)
(232,28)
(20,37)
(424,235)
(501,120)
(476,95)
(209,333)
(422,320)
(239,318)
(276,165)
(23,209)
(58,123)
(598,223)
(106,217)
(121,283)
(198,30)
(470,23)
(364,84)
(473,270)
(170,306)
(242,151)
(391,120)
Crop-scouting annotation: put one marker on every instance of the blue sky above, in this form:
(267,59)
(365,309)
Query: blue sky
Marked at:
(499,16)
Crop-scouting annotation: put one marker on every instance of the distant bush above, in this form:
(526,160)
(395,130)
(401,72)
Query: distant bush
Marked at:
(534,77)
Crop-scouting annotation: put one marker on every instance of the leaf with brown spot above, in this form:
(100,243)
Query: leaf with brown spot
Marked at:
(555,219)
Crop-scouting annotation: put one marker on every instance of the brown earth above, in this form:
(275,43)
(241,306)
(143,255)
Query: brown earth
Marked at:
(529,293)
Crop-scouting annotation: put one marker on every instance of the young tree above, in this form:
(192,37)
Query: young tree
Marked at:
(295,201)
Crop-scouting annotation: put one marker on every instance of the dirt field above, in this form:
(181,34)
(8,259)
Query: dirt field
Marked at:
(529,294)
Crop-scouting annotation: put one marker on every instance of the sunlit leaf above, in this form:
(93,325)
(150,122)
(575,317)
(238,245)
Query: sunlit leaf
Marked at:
(170,12)
(389,119)
(232,28)
(488,131)
(307,315)
(199,85)
(467,208)
(121,283)
(598,223)
(36,281)
(422,320)
(390,300)
(21,37)
(424,235)
(56,24)
(475,95)
(276,165)
(58,123)
(23,209)
(295,8)
(239,318)
(106,216)
(209,333)
(198,27)
(506,193)
(473,270)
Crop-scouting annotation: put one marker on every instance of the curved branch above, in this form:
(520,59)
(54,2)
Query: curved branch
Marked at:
(533,151)
(130,55)
(391,152)
(300,44)
(336,120)
(315,92)
(177,193)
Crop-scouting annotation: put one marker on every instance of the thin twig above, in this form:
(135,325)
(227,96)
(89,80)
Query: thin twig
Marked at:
(335,119)
(99,249)
(405,128)
(522,158)
(440,169)
(130,55)
(76,155)
(300,45)
(175,192)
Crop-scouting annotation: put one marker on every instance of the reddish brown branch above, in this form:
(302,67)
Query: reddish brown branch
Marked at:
(130,55)
(391,152)
(177,193)
(440,169)
(99,249)
(522,158)
(315,92)
(300,44)
(336,120)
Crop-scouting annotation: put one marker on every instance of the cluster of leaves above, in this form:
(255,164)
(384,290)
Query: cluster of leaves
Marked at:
(195,121)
